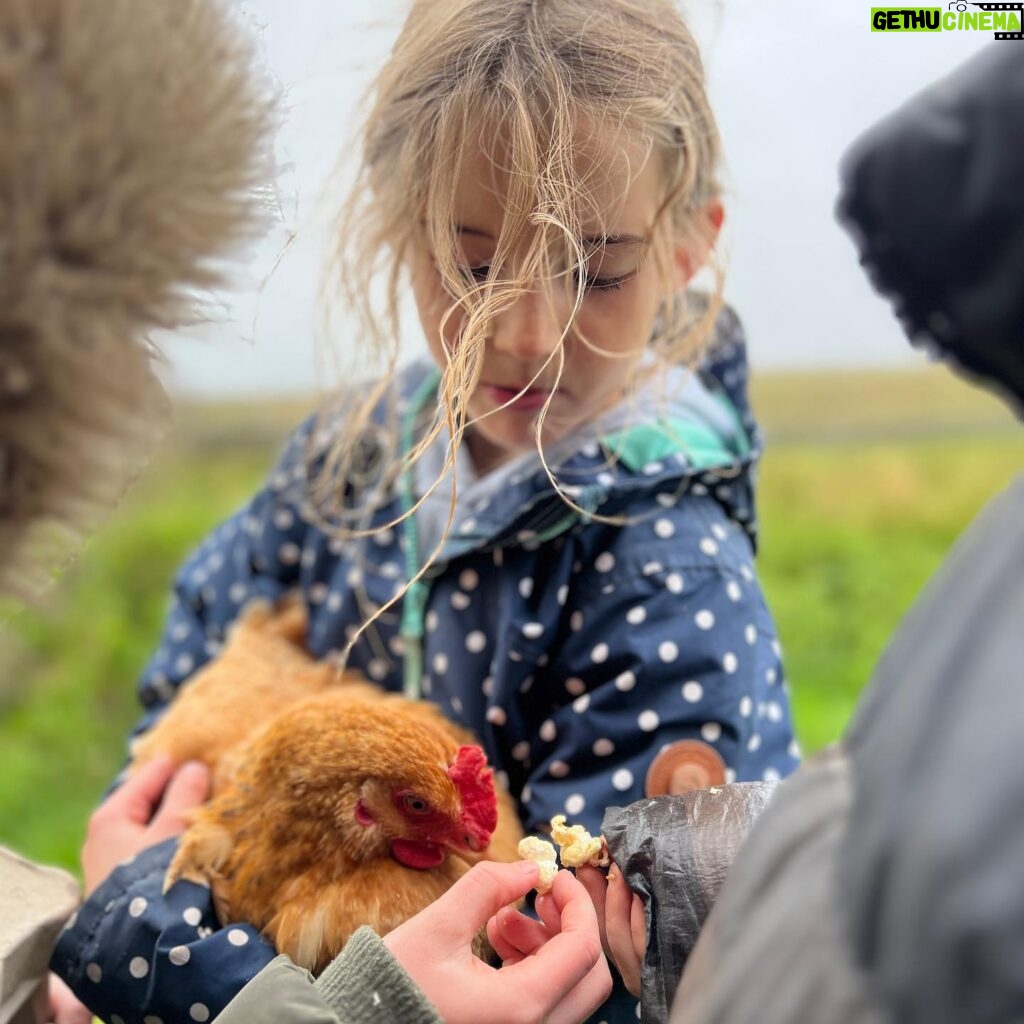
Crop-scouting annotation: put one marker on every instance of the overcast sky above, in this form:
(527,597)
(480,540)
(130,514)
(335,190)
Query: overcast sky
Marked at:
(792,84)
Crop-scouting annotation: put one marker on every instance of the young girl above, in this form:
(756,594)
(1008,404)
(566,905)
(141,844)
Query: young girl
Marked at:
(547,527)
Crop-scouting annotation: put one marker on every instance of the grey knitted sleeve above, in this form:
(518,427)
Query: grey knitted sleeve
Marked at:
(364,984)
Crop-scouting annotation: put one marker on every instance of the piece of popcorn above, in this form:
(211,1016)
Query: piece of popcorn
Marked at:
(578,846)
(543,853)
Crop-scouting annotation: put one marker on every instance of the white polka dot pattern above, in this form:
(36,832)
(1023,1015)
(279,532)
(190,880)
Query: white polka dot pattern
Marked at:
(664,528)
(179,956)
(711,731)
(625,682)
(574,658)
(648,720)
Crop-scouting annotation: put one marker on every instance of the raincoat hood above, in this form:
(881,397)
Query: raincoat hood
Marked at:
(679,426)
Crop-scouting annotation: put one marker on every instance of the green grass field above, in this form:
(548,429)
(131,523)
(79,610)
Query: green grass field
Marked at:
(868,481)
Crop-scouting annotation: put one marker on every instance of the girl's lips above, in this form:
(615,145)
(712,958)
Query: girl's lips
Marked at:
(529,401)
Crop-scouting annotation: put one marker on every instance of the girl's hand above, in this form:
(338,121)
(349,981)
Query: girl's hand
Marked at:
(622,920)
(128,820)
(64,1008)
(552,970)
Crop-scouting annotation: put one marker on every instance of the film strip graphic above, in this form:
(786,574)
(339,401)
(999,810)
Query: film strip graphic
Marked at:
(1018,7)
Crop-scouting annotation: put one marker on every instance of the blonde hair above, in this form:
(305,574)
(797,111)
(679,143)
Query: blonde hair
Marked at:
(542,73)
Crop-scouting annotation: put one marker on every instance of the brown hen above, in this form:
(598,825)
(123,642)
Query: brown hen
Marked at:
(334,803)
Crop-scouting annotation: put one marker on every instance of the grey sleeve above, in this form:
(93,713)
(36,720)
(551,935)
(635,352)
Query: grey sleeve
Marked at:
(364,984)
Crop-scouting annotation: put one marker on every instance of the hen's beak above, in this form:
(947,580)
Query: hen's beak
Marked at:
(465,840)
(474,843)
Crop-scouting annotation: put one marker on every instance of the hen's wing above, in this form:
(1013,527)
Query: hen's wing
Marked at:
(261,670)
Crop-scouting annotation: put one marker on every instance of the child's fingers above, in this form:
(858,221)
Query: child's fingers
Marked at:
(568,974)
(140,793)
(548,912)
(620,926)
(451,922)
(585,997)
(507,953)
(187,790)
(638,926)
(596,884)
(549,907)
(480,894)
(520,934)
(64,1005)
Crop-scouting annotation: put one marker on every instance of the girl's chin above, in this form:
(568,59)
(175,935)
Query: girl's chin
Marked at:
(490,449)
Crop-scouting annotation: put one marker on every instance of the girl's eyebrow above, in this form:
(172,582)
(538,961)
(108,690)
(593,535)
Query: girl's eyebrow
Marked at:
(594,241)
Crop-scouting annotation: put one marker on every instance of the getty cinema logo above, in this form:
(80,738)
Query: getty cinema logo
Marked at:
(958,16)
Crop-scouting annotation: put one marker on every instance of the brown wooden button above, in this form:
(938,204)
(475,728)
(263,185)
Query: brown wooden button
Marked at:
(683,766)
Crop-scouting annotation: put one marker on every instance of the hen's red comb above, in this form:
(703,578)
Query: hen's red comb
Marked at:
(475,783)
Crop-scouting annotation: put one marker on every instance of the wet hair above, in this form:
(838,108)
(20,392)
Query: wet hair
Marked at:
(530,81)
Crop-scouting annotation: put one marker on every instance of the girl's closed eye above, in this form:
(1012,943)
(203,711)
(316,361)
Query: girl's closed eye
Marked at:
(609,269)
(592,282)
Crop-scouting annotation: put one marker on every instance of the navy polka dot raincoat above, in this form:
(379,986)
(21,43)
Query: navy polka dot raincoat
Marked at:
(575,648)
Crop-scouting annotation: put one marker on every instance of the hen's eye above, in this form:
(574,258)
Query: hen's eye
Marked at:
(416,804)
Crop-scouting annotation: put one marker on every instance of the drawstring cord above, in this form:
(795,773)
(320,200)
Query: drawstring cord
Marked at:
(414,602)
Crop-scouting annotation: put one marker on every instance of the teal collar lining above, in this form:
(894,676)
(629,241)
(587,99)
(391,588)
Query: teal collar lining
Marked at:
(635,447)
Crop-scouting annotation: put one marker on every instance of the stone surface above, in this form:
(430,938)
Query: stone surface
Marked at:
(35,902)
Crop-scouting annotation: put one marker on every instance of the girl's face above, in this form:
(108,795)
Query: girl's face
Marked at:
(624,291)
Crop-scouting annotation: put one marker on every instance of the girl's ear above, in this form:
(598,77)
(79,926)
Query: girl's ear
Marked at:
(690,255)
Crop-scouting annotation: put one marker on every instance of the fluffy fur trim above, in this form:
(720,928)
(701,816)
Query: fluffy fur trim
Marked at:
(134,135)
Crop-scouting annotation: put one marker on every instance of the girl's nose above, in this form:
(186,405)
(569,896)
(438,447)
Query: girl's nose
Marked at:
(530,328)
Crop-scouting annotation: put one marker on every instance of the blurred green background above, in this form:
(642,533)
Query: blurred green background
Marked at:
(868,480)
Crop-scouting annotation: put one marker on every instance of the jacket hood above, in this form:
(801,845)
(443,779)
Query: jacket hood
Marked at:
(683,430)
(932,198)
